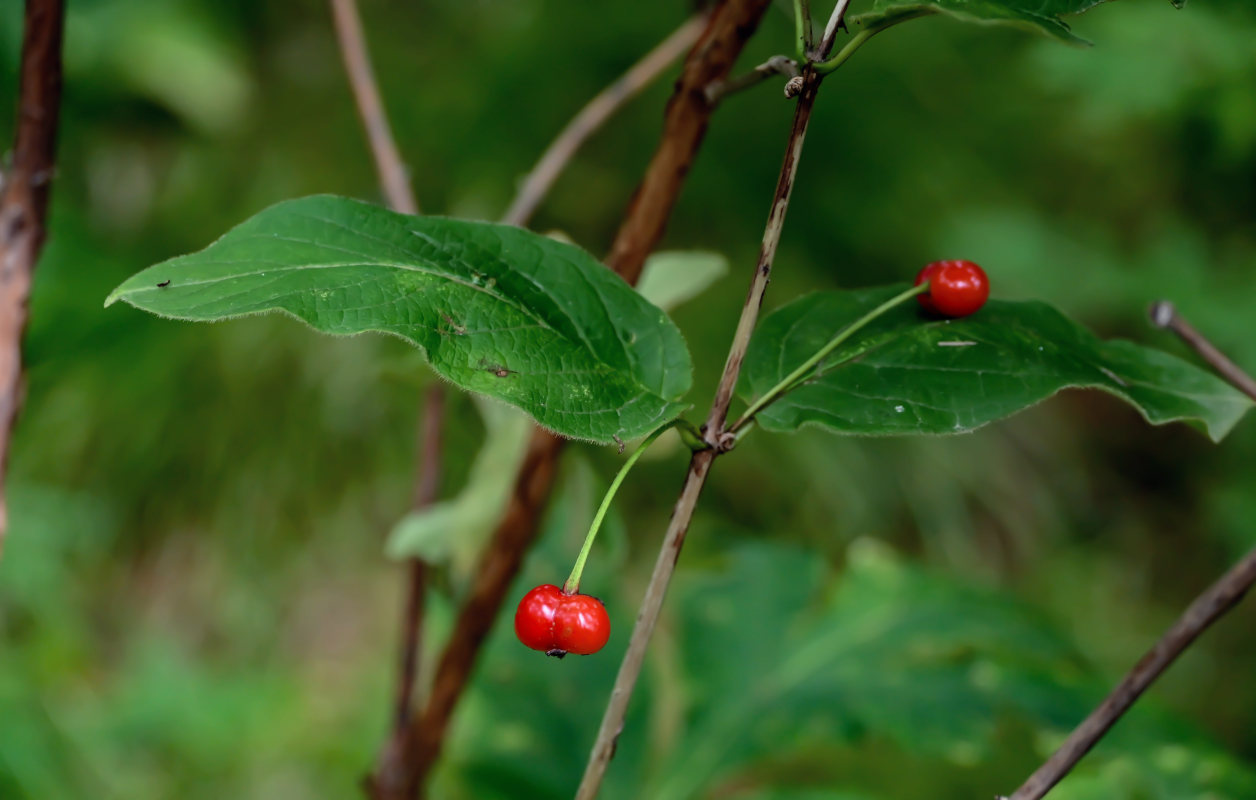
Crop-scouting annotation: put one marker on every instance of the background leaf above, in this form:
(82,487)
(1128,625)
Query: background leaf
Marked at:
(1043,16)
(497,310)
(452,531)
(675,276)
(906,373)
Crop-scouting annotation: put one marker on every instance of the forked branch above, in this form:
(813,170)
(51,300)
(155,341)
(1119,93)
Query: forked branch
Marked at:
(700,465)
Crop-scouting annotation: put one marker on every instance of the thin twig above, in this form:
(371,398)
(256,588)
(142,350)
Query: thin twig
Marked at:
(594,115)
(390,772)
(24,203)
(389,775)
(393,176)
(1164,315)
(427,485)
(1203,612)
(776,65)
(699,466)
(684,126)
(831,29)
(1207,609)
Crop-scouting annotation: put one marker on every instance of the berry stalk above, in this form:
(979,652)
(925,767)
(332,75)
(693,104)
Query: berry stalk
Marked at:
(572,584)
(804,370)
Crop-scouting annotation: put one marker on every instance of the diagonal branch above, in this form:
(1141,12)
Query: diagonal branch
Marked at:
(1164,315)
(1207,609)
(24,203)
(1203,612)
(393,177)
(594,115)
(685,122)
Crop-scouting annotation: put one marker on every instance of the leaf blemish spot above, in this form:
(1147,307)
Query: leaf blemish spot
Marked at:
(499,370)
(458,330)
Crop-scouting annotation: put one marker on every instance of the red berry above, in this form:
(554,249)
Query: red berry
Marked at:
(558,623)
(581,625)
(956,288)
(534,619)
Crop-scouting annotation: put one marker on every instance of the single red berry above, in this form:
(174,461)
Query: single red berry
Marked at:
(534,619)
(581,625)
(557,623)
(956,288)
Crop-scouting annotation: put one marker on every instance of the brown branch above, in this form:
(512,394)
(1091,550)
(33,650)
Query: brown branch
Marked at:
(390,766)
(427,485)
(1164,315)
(24,196)
(685,121)
(776,65)
(595,114)
(699,466)
(1207,609)
(684,125)
(392,171)
(390,769)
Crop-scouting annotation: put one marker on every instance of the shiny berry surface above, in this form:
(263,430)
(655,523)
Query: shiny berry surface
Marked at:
(558,623)
(534,619)
(956,288)
(581,625)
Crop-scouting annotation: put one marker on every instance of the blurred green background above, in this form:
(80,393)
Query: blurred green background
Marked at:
(194,600)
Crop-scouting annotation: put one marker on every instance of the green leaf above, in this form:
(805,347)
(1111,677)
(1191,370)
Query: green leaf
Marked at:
(497,310)
(674,277)
(905,373)
(1042,16)
(453,531)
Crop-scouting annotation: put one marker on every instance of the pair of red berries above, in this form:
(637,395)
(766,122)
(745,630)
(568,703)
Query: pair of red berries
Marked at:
(956,288)
(558,623)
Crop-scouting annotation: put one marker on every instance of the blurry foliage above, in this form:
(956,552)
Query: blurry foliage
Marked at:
(193,598)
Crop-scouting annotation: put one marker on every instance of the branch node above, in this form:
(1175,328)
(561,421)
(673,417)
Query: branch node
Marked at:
(1161,313)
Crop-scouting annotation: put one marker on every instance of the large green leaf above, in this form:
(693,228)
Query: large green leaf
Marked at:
(905,373)
(1043,16)
(497,310)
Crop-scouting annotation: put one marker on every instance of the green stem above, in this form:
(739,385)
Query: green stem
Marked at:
(826,67)
(802,30)
(572,584)
(794,378)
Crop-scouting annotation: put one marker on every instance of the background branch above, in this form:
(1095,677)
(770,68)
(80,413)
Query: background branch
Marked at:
(1207,609)
(427,484)
(390,772)
(24,204)
(1164,315)
(1203,612)
(700,464)
(685,122)
(595,114)
(776,65)
(393,177)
